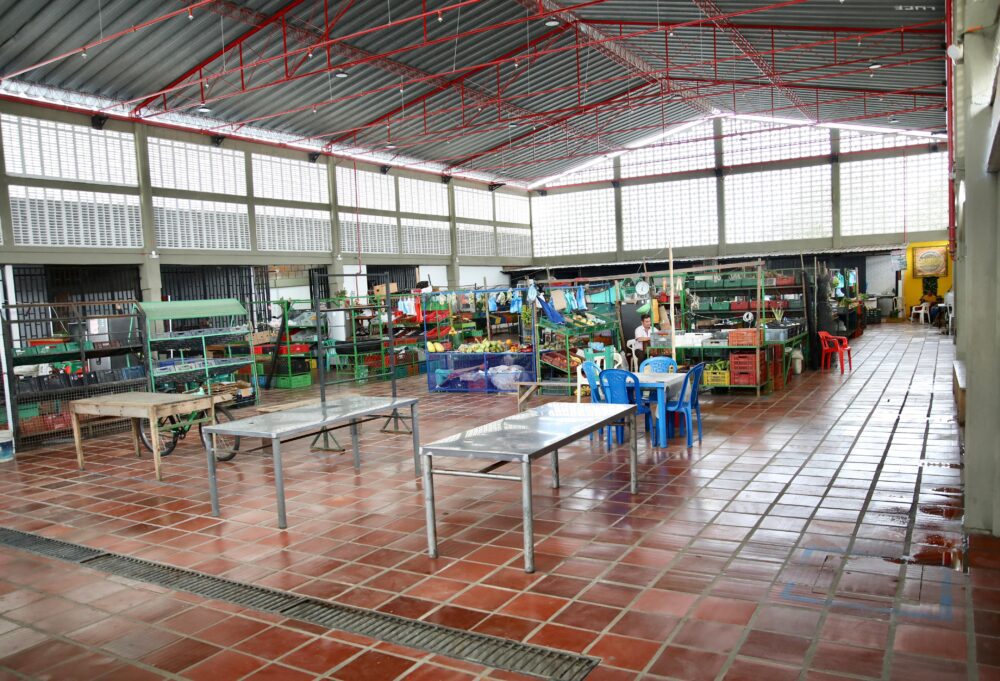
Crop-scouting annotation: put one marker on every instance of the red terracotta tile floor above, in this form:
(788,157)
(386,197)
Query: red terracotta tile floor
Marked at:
(813,534)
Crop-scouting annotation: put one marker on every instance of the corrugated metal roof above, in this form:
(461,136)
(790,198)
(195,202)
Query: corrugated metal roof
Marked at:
(454,106)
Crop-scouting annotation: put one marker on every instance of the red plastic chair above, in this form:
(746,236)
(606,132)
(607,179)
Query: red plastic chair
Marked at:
(834,345)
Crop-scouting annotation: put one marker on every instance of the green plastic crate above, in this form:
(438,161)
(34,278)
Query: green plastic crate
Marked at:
(297,381)
(27,411)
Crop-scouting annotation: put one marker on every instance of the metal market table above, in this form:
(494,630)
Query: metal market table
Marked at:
(522,438)
(142,405)
(293,424)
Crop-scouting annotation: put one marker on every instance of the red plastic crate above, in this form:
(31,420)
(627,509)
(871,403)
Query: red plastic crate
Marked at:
(740,378)
(745,337)
(784,281)
(739,305)
(293,349)
(777,304)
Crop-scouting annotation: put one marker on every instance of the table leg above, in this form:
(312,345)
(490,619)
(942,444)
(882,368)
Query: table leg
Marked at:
(526,510)
(427,471)
(136,441)
(633,457)
(555,469)
(154,439)
(77,438)
(661,408)
(415,428)
(356,447)
(279,482)
(213,485)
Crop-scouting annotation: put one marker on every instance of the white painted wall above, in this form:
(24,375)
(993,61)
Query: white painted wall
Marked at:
(355,285)
(436,274)
(468,276)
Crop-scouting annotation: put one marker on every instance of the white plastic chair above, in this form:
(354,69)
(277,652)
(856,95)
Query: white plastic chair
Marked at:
(581,380)
(922,312)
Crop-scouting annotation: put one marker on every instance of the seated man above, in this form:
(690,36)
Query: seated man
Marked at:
(641,338)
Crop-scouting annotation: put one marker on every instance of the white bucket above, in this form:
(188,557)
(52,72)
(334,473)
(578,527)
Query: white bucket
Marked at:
(797,361)
(6,446)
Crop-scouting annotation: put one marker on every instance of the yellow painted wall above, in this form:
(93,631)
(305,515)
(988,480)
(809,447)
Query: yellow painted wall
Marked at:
(913,288)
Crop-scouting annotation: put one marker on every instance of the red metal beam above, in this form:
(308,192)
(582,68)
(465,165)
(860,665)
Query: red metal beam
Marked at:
(451,83)
(746,47)
(765,27)
(232,44)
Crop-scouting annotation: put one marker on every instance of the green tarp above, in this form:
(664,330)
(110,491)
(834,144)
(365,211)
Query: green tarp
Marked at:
(191,309)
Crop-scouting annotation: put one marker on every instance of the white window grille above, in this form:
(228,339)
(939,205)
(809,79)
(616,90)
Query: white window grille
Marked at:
(599,171)
(513,242)
(476,240)
(855,140)
(201,225)
(196,167)
(680,213)
(378,234)
(38,148)
(892,195)
(364,189)
(284,178)
(692,149)
(758,142)
(426,237)
(779,205)
(292,229)
(63,217)
(512,208)
(574,223)
(420,196)
(476,204)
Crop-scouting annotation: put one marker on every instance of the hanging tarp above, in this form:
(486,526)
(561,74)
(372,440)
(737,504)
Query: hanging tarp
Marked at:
(191,309)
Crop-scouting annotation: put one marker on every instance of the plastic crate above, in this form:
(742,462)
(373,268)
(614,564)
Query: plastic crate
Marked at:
(299,381)
(719,305)
(785,281)
(747,337)
(715,379)
(795,303)
(27,411)
(744,378)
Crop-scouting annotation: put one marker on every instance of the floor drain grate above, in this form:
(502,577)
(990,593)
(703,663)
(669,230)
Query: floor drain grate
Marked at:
(489,651)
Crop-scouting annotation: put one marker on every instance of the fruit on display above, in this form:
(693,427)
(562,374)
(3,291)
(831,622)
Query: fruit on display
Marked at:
(493,346)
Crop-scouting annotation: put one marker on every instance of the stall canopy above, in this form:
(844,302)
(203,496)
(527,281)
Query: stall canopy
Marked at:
(189,309)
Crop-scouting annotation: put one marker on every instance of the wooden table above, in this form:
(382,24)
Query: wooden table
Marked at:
(137,406)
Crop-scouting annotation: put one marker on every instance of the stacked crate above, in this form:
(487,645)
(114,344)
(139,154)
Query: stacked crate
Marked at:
(747,368)
(778,367)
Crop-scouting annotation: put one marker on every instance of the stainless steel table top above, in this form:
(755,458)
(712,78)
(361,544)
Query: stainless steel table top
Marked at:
(284,424)
(530,434)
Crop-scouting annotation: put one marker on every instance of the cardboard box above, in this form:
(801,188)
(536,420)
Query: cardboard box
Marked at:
(380,288)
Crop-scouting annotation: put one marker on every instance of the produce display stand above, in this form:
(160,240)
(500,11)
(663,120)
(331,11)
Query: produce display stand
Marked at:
(463,358)
(182,361)
(59,352)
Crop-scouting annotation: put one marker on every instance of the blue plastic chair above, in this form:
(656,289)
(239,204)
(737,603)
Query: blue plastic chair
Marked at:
(622,387)
(593,374)
(659,365)
(687,402)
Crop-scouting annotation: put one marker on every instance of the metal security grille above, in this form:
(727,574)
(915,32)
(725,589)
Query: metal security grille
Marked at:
(891,195)
(757,142)
(854,140)
(292,229)
(40,148)
(64,217)
(362,189)
(285,178)
(679,213)
(419,196)
(513,242)
(378,234)
(403,276)
(489,651)
(779,205)
(474,204)
(577,222)
(196,167)
(201,225)
(511,208)
(246,283)
(692,149)
(476,240)
(426,237)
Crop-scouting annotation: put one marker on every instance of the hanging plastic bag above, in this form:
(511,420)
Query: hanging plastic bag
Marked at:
(581,298)
(571,301)
(515,302)
(491,303)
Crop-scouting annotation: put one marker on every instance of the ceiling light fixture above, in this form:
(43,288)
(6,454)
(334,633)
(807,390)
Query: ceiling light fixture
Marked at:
(309,54)
(440,17)
(190,14)
(390,146)
(84,53)
(552,23)
(204,109)
(875,65)
(340,74)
